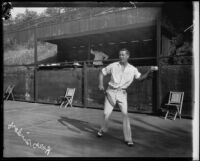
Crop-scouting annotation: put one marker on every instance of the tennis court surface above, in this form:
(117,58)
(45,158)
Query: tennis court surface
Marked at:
(72,132)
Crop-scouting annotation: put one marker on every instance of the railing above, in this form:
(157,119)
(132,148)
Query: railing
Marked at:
(60,17)
(82,62)
(91,61)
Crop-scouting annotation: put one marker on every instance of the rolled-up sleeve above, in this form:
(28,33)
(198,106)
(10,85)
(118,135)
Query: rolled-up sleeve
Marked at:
(137,74)
(107,70)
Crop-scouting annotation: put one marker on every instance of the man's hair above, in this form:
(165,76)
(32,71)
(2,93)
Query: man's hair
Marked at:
(96,48)
(126,50)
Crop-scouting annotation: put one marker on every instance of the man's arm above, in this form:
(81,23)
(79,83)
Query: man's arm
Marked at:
(101,76)
(92,52)
(105,71)
(144,76)
(105,56)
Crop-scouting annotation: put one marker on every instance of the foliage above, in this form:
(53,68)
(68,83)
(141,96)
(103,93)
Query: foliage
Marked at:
(29,15)
(23,55)
(24,17)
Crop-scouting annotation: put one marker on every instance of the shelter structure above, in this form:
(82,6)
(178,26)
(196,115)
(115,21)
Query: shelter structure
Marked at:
(140,29)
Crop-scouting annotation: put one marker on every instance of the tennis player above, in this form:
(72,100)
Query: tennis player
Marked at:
(122,75)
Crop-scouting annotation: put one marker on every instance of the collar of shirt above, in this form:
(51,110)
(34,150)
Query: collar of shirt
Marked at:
(121,79)
(127,66)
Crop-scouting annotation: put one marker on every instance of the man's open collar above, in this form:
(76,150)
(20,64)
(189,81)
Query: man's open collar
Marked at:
(128,65)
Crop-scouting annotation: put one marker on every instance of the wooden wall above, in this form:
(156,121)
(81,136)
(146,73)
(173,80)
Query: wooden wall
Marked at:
(53,83)
(178,78)
(136,17)
(22,78)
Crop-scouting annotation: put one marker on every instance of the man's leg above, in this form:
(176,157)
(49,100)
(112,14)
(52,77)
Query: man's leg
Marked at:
(108,108)
(122,102)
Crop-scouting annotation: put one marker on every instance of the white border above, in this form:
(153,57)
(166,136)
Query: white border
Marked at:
(196,81)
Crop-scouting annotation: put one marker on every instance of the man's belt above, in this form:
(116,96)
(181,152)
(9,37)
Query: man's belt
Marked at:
(108,95)
(110,87)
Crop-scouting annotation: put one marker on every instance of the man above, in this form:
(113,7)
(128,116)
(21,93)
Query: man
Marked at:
(122,75)
(98,57)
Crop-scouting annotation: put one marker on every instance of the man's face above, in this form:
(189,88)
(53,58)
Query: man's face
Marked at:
(123,56)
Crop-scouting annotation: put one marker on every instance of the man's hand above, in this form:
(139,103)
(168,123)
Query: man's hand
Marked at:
(144,76)
(101,87)
(153,68)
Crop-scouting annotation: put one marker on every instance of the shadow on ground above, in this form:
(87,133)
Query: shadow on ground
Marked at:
(161,142)
(77,125)
(173,141)
(176,131)
(146,138)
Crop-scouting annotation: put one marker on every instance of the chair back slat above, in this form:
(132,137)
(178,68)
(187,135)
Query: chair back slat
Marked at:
(68,98)
(176,101)
(9,89)
(175,97)
(70,92)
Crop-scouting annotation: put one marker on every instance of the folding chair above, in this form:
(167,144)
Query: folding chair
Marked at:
(9,92)
(68,98)
(174,105)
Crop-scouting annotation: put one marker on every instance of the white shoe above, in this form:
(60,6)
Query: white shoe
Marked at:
(100,133)
(129,143)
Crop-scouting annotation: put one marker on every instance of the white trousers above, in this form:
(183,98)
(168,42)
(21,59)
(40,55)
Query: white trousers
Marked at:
(119,97)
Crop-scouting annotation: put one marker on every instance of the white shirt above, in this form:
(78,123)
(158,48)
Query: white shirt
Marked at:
(119,78)
(99,56)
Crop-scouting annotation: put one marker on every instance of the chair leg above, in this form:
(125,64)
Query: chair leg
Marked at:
(7,97)
(70,103)
(66,105)
(175,115)
(4,98)
(62,104)
(67,102)
(166,114)
(12,96)
(179,115)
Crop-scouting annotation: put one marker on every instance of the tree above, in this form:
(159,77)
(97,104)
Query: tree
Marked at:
(52,11)
(68,9)
(9,21)
(28,15)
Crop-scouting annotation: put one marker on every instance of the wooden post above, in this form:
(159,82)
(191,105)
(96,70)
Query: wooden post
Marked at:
(157,74)
(89,46)
(35,66)
(85,87)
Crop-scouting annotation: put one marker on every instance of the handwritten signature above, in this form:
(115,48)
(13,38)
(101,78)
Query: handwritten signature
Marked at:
(28,142)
